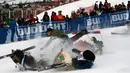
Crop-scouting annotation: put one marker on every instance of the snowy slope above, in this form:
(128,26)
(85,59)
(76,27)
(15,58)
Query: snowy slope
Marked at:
(114,60)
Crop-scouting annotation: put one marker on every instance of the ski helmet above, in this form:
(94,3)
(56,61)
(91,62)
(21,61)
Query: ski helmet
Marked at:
(88,55)
(93,39)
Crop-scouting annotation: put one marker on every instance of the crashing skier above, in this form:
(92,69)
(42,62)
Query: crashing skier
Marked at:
(25,61)
(98,45)
(55,33)
(83,60)
(63,61)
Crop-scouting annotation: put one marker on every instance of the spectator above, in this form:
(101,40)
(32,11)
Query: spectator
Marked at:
(101,7)
(78,13)
(3,24)
(116,8)
(19,21)
(13,26)
(30,20)
(96,7)
(23,21)
(106,5)
(123,6)
(82,13)
(119,7)
(67,17)
(46,17)
(74,15)
(110,9)
(128,5)
(60,16)
(92,12)
(54,16)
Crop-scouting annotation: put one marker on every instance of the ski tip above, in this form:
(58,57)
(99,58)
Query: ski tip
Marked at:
(97,31)
(33,46)
(73,33)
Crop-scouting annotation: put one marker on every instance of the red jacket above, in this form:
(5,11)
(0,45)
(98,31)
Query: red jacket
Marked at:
(54,17)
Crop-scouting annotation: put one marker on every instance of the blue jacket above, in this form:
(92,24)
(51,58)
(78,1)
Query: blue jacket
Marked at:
(13,23)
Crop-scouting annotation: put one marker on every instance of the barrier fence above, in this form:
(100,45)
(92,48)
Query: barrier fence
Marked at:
(74,25)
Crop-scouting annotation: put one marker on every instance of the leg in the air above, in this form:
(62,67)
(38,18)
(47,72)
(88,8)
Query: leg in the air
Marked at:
(78,35)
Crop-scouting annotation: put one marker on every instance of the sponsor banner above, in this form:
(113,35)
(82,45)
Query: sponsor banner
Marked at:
(74,25)
(118,18)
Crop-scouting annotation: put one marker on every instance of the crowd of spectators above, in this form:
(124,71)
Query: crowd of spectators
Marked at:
(19,22)
(97,9)
(45,5)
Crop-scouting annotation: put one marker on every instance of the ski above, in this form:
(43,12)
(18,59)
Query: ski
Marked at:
(78,35)
(83,32)
(26,49)
(54,66)
(32,69)
(115,33)
(44,68)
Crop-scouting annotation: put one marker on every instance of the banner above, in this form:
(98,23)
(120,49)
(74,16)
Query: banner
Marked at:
(118,18)
(20,33)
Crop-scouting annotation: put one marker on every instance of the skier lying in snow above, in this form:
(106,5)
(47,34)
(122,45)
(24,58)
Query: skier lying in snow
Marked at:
(25,61)
(96,47)
(55,33)
(63,61)
(84,60)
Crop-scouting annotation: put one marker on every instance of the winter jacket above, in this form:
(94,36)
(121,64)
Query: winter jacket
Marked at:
(82,62)
(13,23)
(46,18)
(59,34)
(74,15)
(54,17)
(106,5)
(60,17)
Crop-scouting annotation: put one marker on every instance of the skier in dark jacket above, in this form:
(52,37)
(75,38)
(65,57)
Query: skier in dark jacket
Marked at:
(84,60)
(25,61)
